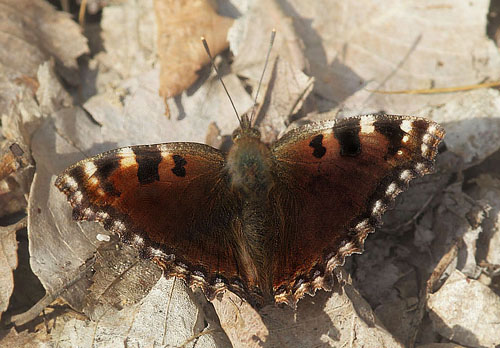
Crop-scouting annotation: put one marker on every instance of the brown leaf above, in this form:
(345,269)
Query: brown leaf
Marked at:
(180,26)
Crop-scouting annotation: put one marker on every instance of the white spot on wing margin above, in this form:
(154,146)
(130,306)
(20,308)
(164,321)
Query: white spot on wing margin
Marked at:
(406,126)
(366,124)
(127,157)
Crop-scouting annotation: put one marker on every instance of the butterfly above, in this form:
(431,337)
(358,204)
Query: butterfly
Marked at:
(269,223)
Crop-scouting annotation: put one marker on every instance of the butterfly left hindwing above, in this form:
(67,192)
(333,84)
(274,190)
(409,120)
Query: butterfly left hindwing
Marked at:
(336,179)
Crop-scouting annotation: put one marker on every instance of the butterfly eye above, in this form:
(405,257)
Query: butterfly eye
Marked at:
(236,134)
(254,133)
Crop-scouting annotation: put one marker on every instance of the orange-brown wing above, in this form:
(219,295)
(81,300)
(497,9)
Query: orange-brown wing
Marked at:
(171,200)
(334,181)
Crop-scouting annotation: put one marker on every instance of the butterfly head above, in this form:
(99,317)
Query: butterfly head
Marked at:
(245,130)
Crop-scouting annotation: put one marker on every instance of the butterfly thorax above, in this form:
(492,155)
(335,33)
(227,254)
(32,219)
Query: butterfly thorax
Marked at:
(250,168)
(249,164)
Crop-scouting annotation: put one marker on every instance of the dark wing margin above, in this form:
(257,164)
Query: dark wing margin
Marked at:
(170,200)
(335,179)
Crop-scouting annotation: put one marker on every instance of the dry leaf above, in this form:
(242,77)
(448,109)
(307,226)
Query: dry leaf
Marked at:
(327,319)
(129,39)
(120,279)
(166,317)
(133,113)
(404,45)
(33,32)
(458,217)
(473,132)
(213,136)
(475,324)
(58,246)
(8,263)
(180,26)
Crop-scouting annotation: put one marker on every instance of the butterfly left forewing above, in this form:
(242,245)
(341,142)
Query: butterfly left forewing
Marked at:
(334,180)
(171,200)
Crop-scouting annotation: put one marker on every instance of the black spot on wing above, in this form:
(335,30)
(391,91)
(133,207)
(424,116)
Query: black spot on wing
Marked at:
(148,161)
(78,174)
(105,167)
(179,169)
(317,145)
(419,128)
(393,132)
(348,137)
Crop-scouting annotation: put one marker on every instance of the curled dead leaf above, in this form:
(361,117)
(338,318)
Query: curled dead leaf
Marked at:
(180,26)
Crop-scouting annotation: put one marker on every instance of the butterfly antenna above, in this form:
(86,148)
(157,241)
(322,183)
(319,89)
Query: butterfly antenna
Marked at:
(271,42)
(218,75)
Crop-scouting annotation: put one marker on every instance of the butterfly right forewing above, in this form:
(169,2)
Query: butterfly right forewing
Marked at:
(334,180)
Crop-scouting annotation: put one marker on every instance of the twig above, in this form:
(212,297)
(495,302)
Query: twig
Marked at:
(81,13)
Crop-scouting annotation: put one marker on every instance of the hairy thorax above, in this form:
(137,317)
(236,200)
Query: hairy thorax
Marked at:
(250,168)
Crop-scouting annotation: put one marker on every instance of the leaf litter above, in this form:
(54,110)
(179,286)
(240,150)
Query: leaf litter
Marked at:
(327,57)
